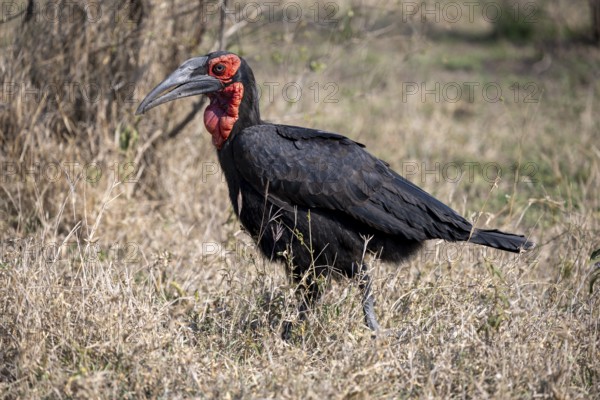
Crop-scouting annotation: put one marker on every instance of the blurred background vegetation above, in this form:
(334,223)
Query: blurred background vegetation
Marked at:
(73,71)
(81,171)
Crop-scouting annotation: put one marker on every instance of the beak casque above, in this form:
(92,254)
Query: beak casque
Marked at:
(189,79)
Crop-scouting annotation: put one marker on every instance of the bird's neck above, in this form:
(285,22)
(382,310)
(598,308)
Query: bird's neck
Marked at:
(230,110)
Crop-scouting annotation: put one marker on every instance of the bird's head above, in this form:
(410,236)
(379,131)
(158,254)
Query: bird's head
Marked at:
(228,82)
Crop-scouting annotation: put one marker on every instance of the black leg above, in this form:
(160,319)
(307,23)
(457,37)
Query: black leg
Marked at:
(367,300)
(309,292)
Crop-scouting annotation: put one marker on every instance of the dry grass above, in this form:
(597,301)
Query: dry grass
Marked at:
(124,274)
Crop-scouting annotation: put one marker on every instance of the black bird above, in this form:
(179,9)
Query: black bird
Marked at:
(313,199)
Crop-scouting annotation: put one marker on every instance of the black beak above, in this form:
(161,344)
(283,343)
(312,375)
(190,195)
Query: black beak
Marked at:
(189,79)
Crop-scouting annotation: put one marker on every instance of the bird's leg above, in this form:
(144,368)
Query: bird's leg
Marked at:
(367,300)
(309,291)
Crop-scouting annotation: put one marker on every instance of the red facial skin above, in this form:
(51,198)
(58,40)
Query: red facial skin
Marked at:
(223,110)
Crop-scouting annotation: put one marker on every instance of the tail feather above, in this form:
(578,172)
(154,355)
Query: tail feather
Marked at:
(500,240)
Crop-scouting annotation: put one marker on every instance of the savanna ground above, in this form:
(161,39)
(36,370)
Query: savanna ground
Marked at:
(124,274)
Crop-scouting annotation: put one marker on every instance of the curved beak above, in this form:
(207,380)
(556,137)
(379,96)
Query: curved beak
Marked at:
(189,79)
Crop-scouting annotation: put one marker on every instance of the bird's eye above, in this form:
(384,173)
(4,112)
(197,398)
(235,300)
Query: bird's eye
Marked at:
(219,69)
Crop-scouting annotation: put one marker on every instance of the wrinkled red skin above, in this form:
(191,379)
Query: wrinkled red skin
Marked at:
(223,110)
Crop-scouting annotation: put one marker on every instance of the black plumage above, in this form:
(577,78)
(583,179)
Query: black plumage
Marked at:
(314,199)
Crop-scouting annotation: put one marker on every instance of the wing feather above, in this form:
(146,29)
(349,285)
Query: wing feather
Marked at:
(318,169)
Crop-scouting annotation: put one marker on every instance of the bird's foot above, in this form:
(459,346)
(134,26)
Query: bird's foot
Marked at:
(286,331)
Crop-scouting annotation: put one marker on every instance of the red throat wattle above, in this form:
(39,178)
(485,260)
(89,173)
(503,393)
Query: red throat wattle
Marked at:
(222,112)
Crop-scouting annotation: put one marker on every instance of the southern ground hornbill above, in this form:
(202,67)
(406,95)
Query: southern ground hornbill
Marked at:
(316,200)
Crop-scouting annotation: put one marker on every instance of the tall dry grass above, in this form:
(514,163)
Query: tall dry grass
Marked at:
(123,272)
